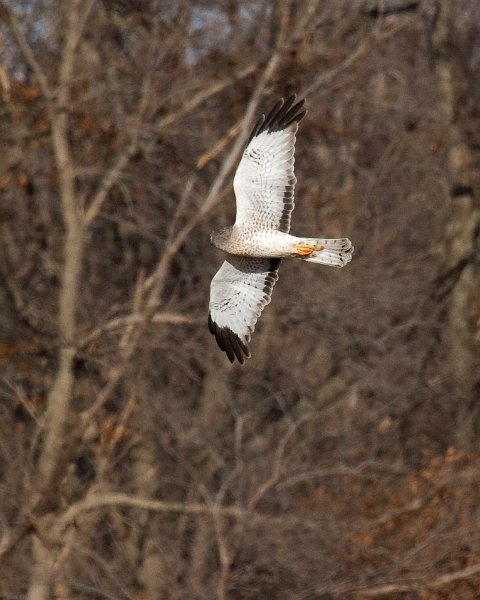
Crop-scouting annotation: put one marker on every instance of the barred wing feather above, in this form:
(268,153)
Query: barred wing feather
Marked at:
(264,182)
(238,293)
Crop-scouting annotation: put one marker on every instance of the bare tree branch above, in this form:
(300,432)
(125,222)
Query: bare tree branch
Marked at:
(172,117)
(161,318)
(219,146)
(399,588)
(277,468)
(27,52)
(204,94)
(96,502)
(59,398)
(158,279)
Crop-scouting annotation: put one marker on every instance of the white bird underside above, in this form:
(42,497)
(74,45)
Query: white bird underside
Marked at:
(264,188)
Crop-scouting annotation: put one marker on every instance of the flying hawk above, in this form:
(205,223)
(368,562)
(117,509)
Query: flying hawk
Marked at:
(259,239)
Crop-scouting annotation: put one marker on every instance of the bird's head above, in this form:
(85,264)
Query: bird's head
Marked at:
(220,238)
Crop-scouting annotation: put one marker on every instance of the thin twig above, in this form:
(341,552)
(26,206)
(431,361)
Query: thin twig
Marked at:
(219,146)
(96,502)
(417,585)
(123,159)
(161,318)
(277,468)
(159,277)
(207,92)
(27,52)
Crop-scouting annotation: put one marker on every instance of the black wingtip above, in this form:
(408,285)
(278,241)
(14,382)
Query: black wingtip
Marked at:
(281,116)
(211,324)
(256,129)
(229,342)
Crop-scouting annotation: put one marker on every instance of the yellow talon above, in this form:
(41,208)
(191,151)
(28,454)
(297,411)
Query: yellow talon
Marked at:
(303,250)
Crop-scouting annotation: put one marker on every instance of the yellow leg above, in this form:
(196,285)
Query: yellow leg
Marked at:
(304,250)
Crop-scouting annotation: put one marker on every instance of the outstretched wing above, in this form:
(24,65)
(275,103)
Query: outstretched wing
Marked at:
(238,293)
(264,182)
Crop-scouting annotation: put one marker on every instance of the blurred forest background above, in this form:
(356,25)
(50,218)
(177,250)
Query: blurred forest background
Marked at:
(342,461)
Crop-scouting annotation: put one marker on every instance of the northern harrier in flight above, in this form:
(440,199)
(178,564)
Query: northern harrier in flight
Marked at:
(259,239)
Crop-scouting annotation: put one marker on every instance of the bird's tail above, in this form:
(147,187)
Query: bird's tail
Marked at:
(333,252)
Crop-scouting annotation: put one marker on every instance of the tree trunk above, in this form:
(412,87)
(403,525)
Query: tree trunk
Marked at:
(459,273)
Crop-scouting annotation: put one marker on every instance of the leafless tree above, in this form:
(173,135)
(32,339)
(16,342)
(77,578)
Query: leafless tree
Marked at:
(341,461)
